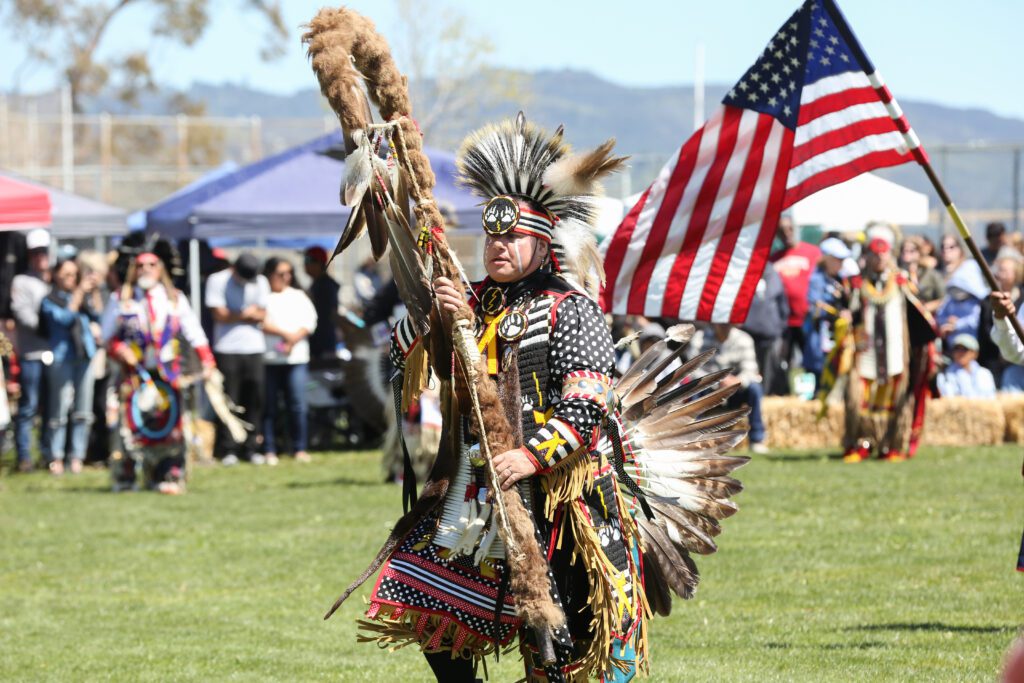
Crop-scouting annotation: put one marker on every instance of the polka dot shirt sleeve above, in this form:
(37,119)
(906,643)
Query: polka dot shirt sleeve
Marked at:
(580,344)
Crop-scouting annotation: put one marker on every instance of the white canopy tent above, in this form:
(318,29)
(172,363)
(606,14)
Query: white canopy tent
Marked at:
(850,206)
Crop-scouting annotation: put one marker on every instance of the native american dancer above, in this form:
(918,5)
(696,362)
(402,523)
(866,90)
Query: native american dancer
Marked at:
(142,326)
(554,513)
(886,346)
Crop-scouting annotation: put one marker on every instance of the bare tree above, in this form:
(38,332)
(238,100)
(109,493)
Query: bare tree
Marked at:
(67,34)
(446,60)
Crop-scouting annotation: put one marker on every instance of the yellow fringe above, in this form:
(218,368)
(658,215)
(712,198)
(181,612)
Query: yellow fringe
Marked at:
(392,633)
(598,658)
(416,374)
(567,481)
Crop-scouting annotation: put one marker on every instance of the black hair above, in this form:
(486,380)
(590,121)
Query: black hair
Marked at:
(271,265)
(60,264)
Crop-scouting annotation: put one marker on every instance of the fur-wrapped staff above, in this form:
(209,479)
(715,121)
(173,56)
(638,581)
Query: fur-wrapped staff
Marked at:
(345,47)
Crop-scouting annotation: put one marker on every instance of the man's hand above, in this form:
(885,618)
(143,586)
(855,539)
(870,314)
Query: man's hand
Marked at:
(208,372)
(127,356)
(448,296)
(729,380)
(512,466)
(1002,305)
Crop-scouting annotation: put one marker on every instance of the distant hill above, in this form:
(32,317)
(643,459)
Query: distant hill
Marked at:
(651,123)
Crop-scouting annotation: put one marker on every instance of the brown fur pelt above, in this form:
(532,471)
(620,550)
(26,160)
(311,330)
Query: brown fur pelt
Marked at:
(332,38)
(528,579)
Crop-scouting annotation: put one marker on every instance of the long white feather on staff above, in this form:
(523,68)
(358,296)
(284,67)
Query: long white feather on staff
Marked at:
(225,408)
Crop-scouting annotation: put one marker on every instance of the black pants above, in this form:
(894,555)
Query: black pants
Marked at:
(243,383)
(448,670)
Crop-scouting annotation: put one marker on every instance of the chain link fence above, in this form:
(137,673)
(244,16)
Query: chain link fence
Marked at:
(135,161)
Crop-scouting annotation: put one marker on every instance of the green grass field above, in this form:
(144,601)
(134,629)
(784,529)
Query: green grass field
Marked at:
(830,572)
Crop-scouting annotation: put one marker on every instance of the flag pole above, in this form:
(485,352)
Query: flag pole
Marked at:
(965,234)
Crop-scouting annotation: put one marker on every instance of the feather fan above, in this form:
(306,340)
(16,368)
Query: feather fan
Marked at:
(679,440)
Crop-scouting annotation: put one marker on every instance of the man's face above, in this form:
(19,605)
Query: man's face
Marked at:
(785,232)
(963,356)
(313,267)
(832,265)
(997,239)
(148,271)
(39,260)
(512,256)
(877,261)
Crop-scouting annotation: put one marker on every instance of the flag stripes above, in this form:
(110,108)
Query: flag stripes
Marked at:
(810,113)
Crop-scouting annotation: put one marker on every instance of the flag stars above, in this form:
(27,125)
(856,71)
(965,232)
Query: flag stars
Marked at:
(794,61)
(814,43)
(778,54)
(786,69)
(776,78)
(830,50)
(755,77)
(787,111)
(743,86)
(833,40)
(825,61)
(843,57)
(793,40)
(822,21)
(764,87)
(752,97)
(772,101)
(818,32)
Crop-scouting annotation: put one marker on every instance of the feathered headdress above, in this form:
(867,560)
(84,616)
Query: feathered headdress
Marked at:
(517,160)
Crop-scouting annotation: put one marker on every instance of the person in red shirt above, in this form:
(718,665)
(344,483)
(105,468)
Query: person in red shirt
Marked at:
(794,262)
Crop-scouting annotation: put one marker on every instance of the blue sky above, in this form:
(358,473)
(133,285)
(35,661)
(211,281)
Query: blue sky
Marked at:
(951,52)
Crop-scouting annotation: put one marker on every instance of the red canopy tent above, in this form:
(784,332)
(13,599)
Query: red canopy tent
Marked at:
(22,206)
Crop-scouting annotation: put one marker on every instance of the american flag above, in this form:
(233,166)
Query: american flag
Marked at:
(810,113)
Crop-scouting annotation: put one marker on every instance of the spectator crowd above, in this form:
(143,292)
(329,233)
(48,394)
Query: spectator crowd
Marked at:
(61,362)
(266,333)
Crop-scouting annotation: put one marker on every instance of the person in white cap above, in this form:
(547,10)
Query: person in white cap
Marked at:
(965,377)
(27,293)
(826,297)
(892,357)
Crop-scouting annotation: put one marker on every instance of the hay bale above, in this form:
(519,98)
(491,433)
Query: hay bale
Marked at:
(964,422)
(1013,411)
(793,423)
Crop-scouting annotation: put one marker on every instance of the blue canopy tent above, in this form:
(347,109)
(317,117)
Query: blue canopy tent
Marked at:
(137,220)
(289,199)
(297,197)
